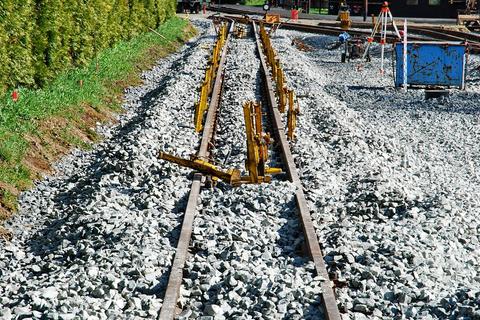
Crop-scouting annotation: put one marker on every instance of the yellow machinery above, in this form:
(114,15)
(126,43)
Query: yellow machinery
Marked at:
(277,71)
(207,85)
(284,95)
(257,154)
(344,17)
(293,111)
(257,145)
(231,176)
(257,141)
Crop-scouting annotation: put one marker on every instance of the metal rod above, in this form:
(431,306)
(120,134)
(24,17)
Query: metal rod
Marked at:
(405,55)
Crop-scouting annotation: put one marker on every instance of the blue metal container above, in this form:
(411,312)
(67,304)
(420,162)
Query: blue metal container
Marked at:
(432,64)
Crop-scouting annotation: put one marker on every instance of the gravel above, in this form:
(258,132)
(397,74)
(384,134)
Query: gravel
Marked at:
(247,258)
(96,240)
(395,183)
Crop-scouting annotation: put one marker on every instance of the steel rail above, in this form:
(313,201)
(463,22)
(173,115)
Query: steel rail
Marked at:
(335,31)
(333,28)
(330,307)
(169,306)
(326,30)
(433,32)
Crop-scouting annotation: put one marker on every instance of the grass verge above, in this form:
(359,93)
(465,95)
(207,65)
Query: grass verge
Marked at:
(255,3)
(44,124)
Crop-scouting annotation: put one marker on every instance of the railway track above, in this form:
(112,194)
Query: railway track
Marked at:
(264,91)
(172,292)
(360,29)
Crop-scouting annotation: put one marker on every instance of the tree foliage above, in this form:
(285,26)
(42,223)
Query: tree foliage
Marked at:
(40,38)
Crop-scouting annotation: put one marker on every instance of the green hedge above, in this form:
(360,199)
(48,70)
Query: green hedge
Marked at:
(39,38)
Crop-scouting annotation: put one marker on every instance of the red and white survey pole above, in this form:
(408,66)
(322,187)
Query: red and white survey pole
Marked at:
(383,35)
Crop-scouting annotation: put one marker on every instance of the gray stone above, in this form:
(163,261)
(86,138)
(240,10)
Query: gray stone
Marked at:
(22,311)
(359,307)
(66,316)
(6,314)
(213,310)
(49,293)
(185,314)
(36,268)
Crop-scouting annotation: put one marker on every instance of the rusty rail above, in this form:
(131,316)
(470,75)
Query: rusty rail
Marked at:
(326,30)
(418,33)
(172,292)
(329,303)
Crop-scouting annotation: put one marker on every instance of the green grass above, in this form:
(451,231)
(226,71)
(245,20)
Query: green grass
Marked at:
(9,200)
(71,139)
(255,3)
(318,11)
(102,83)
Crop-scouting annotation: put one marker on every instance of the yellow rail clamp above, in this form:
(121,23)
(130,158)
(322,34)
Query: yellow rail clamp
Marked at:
(201,107)
(210,73)
(293,111)
(257,145)
(231,176)
(284,95)
(275,70)
(281,89)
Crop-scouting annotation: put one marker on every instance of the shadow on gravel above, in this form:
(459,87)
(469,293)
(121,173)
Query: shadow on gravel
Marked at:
(313,312)
(292,244)
(366,88)
(70,202)
(172,236)
(368,98)
(291,240)
(463,304)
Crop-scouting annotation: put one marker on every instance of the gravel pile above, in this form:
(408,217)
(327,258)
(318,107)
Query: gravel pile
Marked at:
(247,260)
(394,181)
(96,240)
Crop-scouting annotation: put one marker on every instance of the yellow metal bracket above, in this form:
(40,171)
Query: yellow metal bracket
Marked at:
(344,17)
(257,145)
(293,111)
(231,176)
(284,95)
(210,73)
(276,69)
(257,154)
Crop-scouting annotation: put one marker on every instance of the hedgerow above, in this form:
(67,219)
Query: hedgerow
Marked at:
(40,38)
